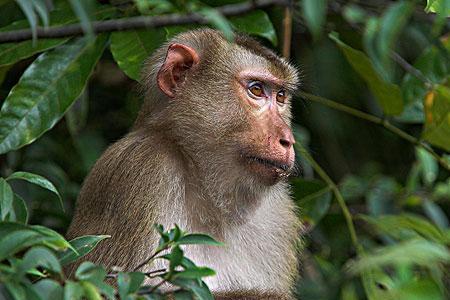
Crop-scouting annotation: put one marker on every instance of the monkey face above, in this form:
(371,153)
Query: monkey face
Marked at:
(234,98)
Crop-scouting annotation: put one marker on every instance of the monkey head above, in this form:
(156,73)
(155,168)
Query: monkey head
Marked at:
(226,105)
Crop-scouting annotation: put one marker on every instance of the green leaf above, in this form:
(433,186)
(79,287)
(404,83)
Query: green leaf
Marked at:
(437,117)
(416,252)
(20,212)
(182,295)
(438,6)
(37,180)
(256,23)
(82,245)
(313,197)
(40,257)
(198,239)
(73,290)
(46,90)
(216,19)
(435,213)
(314,13)
(129,283)
(392,23)
(131,48)
(28,10)
(6,198)
(387,94)
(195,273)
(406,225)
(89,272)
(200,289)
(61,15)
(434,64)
(175,257)
(428,164)
(49,289)
(90,291)
(82,9)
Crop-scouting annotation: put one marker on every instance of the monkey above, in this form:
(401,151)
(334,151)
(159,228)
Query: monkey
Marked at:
(211,150)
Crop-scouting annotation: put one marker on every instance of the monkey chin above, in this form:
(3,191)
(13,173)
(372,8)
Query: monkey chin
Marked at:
(268,171)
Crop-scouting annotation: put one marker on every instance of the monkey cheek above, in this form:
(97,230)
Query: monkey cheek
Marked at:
(267,175)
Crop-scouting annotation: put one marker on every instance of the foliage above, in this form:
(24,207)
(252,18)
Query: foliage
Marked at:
(375,203)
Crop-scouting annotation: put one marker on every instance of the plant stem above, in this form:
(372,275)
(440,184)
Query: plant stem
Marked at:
(334,188)
(379,121)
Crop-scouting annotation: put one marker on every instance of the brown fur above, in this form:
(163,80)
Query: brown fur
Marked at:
(179,164)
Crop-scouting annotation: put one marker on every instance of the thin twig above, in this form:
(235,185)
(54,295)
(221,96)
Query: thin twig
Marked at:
(137,22)
(337,194)
(411,69)
(148,274)
(147,260)
(380,121)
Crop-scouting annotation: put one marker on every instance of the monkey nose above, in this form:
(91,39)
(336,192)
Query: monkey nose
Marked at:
(287,139)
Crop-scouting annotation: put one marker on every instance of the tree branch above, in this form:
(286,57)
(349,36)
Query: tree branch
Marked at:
(137,22)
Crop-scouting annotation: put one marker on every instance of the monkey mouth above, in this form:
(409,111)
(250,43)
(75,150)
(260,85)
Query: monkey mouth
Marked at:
(280,167)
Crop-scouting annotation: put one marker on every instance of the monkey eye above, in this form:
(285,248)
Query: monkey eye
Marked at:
(281,96)
(255,88)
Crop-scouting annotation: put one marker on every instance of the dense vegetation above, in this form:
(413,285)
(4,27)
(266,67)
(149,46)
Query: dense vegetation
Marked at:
(372,128)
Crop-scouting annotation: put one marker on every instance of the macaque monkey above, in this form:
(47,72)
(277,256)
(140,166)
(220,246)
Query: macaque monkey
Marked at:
(211,150)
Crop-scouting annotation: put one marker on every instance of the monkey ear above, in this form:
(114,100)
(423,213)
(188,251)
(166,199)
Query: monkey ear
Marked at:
(179,59)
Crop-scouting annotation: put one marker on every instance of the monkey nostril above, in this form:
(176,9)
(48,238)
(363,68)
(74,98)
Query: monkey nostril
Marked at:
(285,143)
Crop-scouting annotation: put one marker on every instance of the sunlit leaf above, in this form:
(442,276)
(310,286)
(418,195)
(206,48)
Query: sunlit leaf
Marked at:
(437,117)
(83,245)
(387,94)
(198,238)
(46,90)
(194,273)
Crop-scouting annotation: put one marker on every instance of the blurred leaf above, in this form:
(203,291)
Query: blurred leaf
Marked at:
(353,187)
(49,289)
(354,14)
(6,198)
(73,290)
(313,197)
(45,91)
(198,239)
(42,257)
(419,252)
(435,213)
(182,295)
(20,212)
(387,94)
(217,20)
(200,289)
(349,292)
(83,245)
(392,23)
(256,23)
(380,197)
(83,8)
(89,272)
(429,166)
(90,291)
(129,283)
(15,237)
(437,117)
(37,180)
(417,290)
(175,258)
(28,10)
(131,48)
(13,52)
(406,225)
(434,64)
(314,13)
